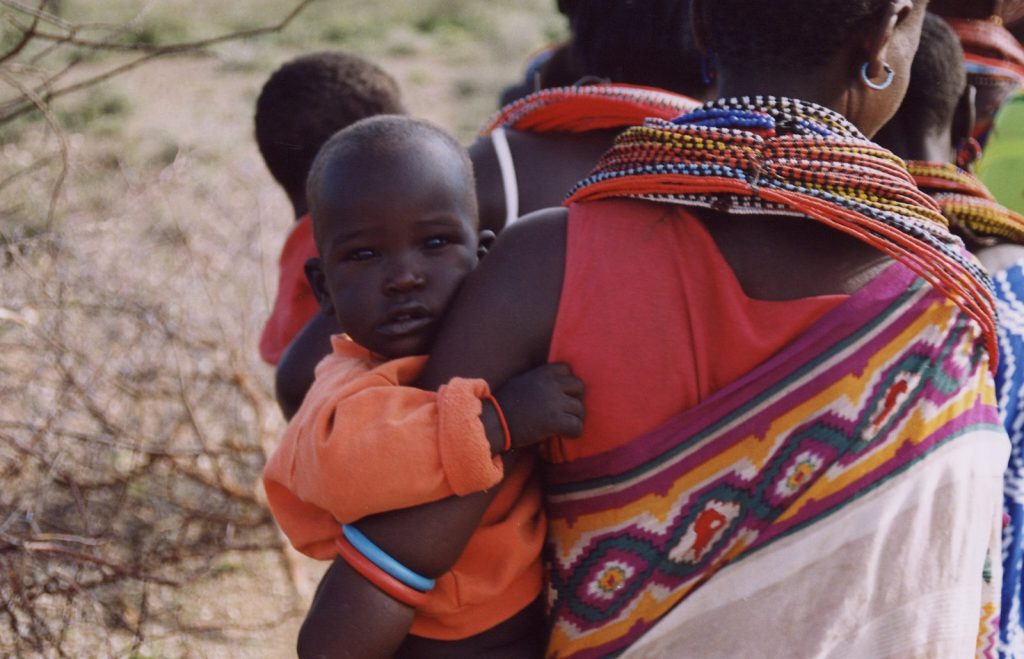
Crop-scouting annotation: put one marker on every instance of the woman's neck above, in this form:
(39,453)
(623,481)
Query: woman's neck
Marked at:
(928,148)
(814,88)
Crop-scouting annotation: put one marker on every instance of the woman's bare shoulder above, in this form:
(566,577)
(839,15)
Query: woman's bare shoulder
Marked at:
(504,315)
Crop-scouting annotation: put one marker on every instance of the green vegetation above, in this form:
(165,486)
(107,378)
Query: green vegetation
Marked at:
(101,110)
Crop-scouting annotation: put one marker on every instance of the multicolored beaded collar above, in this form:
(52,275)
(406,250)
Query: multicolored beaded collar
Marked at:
(767,155)
(966,202)
(989,47)
(580,109)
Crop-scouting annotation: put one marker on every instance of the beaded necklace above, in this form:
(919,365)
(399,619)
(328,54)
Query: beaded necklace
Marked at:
(966,202)
(585,108)
(990,47)
(994,60)
(768,155)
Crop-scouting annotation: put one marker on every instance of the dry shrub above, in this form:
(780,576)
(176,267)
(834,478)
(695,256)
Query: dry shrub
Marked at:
(134,276)
(131,428)
(133,416)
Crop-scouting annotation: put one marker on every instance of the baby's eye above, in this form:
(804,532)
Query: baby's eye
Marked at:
(436,242)
(361,254)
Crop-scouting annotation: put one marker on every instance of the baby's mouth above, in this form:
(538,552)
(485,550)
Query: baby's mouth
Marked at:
(407,319)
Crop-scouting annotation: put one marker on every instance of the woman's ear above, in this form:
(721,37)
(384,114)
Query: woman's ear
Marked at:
(318,282)
(964,116)
(484,242)
(965,147)
(877,41)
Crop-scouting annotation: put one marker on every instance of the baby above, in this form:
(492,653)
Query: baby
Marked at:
(395,220)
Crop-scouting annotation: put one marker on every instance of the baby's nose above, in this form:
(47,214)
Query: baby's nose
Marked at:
(405,278)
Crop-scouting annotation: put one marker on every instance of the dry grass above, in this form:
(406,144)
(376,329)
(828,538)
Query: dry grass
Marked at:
(134,413)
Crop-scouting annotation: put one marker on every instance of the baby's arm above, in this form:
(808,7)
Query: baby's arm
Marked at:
(366,445)
(295,371)
(370,446)
(539,404)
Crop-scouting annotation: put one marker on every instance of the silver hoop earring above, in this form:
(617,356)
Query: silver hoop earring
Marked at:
(890,75)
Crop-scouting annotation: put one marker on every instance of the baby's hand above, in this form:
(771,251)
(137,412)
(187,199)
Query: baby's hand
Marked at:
(542,403)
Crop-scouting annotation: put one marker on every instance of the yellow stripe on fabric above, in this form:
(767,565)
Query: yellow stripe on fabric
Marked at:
(752,453)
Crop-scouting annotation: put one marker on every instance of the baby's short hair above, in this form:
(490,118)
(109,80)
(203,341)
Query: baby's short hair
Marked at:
(309,99)
(379,136)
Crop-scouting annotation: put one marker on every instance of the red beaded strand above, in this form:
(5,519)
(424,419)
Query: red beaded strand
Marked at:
(786,156)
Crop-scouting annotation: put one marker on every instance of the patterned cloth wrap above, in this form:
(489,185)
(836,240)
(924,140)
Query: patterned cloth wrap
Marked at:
(870,447)
(1009,284)
(584,108)
(880,412)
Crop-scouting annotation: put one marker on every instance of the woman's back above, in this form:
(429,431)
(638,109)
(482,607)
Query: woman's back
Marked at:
(544,167)
(661,319)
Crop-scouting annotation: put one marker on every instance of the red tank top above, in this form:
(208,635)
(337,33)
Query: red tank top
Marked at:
(653,320)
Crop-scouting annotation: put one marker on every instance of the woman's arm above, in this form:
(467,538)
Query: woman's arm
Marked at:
(490,189)
(500,324)
(295,370)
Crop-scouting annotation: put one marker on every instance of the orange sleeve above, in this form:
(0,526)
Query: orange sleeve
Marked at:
(362,444)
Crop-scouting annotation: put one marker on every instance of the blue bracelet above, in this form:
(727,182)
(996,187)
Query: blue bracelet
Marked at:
(383,560)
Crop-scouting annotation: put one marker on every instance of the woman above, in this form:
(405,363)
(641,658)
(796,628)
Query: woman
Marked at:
(791,444)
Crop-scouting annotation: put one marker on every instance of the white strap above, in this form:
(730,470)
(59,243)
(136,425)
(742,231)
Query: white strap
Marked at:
(508,174)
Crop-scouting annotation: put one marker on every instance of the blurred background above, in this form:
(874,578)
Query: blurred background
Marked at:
(139,232)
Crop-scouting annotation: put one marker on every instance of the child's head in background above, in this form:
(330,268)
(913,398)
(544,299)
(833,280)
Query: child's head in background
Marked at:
(309,99)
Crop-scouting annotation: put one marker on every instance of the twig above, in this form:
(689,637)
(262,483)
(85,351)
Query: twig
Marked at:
(38,164)
(152,52)
(51,120)
(120,570)
(26,35)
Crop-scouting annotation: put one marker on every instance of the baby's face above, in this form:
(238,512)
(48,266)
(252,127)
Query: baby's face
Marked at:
(400,238)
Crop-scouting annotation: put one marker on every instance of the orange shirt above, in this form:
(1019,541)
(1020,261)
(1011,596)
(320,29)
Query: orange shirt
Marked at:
(653,320)
(362,443)
(295,303)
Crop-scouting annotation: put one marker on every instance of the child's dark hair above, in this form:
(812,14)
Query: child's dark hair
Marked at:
(798,34)
(309,99)
(937,78)
(377,136)
(644,42)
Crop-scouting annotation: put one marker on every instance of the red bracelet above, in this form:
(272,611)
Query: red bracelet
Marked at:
(504,424)
(378,577)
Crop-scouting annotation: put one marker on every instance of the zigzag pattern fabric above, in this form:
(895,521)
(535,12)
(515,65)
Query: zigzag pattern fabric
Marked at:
(1009,286)
(767,155)
(584,108)
(884,380)
(966,202)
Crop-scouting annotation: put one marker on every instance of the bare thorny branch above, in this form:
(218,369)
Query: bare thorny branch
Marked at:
(65,37)
(69,37)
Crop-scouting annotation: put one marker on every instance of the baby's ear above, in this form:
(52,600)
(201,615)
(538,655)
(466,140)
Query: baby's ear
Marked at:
(484,242)
(318,282)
